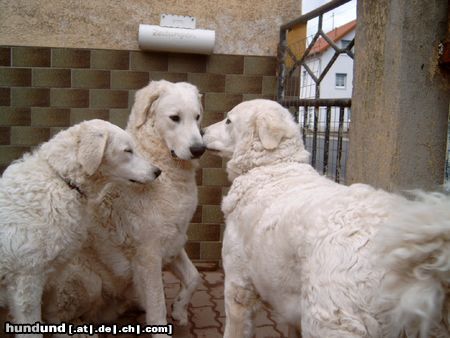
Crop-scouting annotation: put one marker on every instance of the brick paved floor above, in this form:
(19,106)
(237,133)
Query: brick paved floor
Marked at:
(206,311)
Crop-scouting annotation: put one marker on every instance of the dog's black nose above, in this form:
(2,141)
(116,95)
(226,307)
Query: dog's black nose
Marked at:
(157,172)
(197,150)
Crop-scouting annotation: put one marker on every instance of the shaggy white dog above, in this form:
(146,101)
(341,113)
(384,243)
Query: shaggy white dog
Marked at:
(143,228)
(43,199)
(307,245)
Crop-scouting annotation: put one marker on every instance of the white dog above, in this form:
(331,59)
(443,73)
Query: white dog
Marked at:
(307,245)
(143,228)
(43,199)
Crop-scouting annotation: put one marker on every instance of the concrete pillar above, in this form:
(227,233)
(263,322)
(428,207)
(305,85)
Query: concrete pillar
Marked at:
(401,97)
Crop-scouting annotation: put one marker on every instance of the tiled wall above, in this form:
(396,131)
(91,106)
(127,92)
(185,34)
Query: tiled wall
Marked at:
(43,90)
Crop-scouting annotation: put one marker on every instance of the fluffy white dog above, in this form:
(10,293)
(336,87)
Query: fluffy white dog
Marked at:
(331,260)
(43,202)
(142,228)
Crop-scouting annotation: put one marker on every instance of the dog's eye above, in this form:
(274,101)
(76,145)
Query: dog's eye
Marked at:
(228,121)
(197,117)
(128,151)
(174,118)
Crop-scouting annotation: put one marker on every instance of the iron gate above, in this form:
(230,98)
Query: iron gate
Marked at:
(326,139)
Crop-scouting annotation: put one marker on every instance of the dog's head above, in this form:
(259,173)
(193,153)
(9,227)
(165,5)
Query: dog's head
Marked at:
(110,151)
(175,111)
(253,132)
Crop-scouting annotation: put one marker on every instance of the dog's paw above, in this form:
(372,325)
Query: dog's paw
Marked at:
(179,314)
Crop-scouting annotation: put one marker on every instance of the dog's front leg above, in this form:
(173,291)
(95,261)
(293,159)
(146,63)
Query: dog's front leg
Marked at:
(183,268)
(147,278)
(24,298)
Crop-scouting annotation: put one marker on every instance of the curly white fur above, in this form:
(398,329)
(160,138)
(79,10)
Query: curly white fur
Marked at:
(306,245)
(142,229)
(44,197)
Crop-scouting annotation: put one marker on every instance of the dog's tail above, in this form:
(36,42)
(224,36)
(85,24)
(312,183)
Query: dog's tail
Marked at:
(414,248)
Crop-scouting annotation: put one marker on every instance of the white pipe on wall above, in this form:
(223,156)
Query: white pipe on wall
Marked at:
(179,40)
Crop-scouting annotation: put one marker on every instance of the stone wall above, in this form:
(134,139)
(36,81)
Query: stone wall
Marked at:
(242,27)
(400,95)
(43,90)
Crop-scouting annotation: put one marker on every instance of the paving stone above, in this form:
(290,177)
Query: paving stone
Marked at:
(214,277)
(171,290)
(207,321)
(208,333)
(202,286)
(266,332)
(283,328)
(222,321)
(201,299)
(262,318)
(170,278)
(204,317)
(216,290)
(183,331)
(219,306)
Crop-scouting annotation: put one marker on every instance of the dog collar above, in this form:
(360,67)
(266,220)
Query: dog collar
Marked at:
(73,186)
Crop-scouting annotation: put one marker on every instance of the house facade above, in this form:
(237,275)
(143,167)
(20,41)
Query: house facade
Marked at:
(337,83)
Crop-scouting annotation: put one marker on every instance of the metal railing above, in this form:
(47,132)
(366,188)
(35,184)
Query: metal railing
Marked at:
(317,138)
(324,138)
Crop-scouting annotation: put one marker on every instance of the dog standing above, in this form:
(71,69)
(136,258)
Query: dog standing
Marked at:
(142,229)
(43,201)
(331,260)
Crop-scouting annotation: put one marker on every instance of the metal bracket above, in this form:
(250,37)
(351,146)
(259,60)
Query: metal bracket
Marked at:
(177,21)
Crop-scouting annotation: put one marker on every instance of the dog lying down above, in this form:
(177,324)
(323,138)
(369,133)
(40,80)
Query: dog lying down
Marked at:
(332,260)
(43,201)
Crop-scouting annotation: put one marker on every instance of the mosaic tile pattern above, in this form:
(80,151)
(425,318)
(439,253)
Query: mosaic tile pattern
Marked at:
(43,90)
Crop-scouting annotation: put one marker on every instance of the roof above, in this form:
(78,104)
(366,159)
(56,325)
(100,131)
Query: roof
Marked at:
(335,35)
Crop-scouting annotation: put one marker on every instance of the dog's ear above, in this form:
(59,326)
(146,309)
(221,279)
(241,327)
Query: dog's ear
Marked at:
(91,147)
(272,127)
(143,101)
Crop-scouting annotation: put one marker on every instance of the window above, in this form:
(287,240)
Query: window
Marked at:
(341,80)
(304,78)
(345,43)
